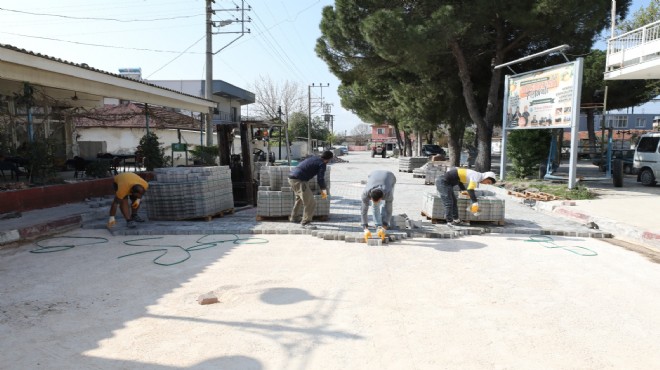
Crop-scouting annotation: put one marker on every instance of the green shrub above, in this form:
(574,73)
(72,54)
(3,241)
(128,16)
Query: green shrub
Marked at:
(526,149)
(206,155)
(152,151)
(99,168)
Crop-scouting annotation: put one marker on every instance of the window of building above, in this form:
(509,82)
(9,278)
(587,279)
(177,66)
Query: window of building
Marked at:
(380,131)
(617,122)
(641,123)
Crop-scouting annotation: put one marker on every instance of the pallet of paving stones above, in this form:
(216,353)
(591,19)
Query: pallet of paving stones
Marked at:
(491,208)
(432,171)
(408,164)
(286,218)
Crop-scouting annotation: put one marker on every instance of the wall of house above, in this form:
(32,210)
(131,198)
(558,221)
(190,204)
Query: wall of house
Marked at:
(126,140)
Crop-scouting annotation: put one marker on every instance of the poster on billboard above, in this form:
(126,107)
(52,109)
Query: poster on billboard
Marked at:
(541,99)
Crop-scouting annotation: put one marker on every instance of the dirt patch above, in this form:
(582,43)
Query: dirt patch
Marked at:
(650,254)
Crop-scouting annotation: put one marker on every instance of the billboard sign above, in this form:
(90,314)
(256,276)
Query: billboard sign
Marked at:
(541,99)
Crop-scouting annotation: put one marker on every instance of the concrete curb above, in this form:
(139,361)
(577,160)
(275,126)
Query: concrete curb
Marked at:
(23,234)
(564,209)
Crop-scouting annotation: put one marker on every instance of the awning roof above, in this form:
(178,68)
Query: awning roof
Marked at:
(62,80)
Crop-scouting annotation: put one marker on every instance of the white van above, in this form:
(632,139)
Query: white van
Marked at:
(647,159)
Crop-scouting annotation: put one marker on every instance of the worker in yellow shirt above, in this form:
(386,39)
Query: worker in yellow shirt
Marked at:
(127,186)
(461,177)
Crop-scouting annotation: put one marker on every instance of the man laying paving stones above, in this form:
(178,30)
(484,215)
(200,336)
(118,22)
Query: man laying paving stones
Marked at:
(460,176)
(298,178)
(379,192)
(127,186)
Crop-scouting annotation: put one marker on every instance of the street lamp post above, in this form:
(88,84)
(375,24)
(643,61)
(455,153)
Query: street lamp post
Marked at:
(309,111)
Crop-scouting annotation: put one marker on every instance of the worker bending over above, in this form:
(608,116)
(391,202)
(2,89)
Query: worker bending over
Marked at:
(298,178)
(379,193)
(460,176)
(127,186)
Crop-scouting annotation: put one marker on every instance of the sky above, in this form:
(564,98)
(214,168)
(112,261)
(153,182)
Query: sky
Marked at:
(166,38)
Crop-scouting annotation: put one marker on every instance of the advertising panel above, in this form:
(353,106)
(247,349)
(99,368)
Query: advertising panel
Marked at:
(541,99)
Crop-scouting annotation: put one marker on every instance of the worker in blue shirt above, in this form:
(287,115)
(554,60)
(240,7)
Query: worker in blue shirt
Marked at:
(298,178)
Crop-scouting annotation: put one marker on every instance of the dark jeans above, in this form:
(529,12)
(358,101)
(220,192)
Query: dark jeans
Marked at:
(448,197)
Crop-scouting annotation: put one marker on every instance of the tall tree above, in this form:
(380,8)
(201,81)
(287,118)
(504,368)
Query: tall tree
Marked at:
(468,36)
(361,133)
(642,17)
(269,96)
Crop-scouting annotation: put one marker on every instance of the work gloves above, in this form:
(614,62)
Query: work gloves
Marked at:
(111,222)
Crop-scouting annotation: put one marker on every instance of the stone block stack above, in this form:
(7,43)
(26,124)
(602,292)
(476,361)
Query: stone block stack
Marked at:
(408,164)
(275,198)
(491,208)
(180,193)
(433,170)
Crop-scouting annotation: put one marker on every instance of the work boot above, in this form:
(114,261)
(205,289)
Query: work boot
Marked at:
(456,222)
(131,224)
(308,226)
(137,218)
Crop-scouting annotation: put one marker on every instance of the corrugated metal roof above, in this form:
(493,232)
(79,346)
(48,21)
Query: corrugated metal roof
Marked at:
(87,67)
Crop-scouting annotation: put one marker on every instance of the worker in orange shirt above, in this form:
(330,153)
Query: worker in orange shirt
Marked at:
(128,186)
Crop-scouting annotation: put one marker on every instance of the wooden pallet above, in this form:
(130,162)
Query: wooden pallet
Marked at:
(409,171)
(419,175)
(533,195)
(433,220)
(286,218)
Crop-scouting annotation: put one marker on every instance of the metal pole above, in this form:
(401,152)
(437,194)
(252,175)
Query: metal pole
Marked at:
(209,70)
(309,122)
(146,116)
(279,113)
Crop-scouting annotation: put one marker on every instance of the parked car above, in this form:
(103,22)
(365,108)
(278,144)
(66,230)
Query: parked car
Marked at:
(432,149)
(647,159)
(343,149)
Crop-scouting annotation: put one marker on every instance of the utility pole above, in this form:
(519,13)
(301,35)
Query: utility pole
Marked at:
(208,93)
(309,107)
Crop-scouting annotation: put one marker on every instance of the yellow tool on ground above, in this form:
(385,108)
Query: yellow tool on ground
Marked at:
(367,235)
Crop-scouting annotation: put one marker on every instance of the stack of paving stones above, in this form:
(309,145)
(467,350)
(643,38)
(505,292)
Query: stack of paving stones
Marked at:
(433,170)
(408,164)
(275,198)
(181,193)
(491,208)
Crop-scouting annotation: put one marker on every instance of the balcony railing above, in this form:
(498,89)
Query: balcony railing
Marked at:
(632,49)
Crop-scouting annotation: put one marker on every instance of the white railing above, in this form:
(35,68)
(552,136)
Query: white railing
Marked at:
(632,47)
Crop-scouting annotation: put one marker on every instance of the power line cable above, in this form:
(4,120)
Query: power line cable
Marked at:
(97,45)
(178,56)
(103,19)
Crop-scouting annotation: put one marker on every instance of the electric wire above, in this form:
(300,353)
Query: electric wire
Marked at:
(99,45)
(101,18)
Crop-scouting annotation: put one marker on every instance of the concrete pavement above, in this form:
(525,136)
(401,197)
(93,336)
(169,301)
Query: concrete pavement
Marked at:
(92,299)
